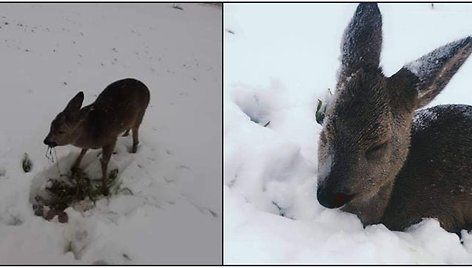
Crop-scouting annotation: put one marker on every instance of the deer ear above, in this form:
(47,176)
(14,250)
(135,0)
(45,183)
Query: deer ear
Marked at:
(75,103)
(362,40)
(429,74)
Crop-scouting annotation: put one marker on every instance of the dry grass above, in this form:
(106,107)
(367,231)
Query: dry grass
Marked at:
(68,190)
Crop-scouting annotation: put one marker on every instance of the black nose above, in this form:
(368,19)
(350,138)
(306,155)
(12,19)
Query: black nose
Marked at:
(331,199)
(49,142)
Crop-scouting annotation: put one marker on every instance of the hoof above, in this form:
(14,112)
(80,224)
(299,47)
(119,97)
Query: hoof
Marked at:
(113,174)
(105,191)
(74,170)
(134,149)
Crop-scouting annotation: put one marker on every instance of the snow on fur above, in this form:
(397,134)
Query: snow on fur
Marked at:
(431,62)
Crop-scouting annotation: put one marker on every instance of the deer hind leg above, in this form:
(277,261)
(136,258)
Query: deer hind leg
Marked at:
(135,139)
(136,133)
(107,150)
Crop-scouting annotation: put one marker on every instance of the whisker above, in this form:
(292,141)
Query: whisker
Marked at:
(57,161)
(51,155)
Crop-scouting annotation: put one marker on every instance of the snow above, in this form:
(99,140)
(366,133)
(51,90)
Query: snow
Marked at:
(271,212)
(423,118)
(429,62)
(166,207)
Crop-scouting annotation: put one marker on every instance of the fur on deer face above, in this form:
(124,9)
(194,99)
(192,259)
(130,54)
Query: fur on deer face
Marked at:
(64,126)
(366,131)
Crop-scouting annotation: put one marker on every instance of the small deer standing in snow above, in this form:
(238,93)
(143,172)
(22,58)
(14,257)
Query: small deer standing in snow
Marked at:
(381,159)
(119,108)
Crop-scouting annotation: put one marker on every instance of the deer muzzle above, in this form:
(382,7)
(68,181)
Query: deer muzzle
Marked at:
(332,199)
(49,142)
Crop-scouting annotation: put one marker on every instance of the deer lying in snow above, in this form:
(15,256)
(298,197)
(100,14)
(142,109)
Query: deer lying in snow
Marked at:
(119,108)
(381,159)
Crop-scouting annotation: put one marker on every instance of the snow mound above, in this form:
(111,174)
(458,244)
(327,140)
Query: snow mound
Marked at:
(272,215)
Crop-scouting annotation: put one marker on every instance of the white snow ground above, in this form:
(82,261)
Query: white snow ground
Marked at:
(51,51)
(279,59)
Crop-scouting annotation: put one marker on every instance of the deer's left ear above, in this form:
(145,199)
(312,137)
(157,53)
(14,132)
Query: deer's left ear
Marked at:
(430,74)
(362,40)
(75,103)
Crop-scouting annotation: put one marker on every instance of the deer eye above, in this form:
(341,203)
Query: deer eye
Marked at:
(60,132)
(376,150)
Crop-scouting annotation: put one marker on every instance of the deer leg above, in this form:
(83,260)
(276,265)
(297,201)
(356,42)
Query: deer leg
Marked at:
(135,139)
(75,166)
(137,123)
(107,150)
(126,133)
(75,169)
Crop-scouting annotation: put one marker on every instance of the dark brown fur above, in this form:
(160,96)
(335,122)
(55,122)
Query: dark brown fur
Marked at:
(436,180)
(376,161)
(119,108)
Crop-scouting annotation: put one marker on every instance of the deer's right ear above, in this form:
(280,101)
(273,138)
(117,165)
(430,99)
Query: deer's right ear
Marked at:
(75,103)
(426,77)
(362,40)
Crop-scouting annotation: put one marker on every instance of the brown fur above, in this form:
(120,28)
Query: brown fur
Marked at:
(119,108)
(377,162)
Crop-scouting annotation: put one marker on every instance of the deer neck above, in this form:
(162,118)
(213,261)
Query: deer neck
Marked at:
(80,131)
